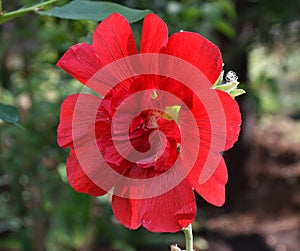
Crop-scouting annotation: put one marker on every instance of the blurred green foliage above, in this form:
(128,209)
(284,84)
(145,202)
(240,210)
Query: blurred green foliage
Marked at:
(275,79)
(38,209)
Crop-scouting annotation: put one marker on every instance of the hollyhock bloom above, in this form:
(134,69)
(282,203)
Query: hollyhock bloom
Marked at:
(112,40)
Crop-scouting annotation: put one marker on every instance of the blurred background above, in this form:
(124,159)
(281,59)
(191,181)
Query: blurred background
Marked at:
(259,40)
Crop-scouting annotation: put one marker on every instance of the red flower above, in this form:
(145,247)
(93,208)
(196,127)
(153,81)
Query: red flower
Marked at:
(176,208)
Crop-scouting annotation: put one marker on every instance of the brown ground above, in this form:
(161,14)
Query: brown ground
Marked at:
(266,215)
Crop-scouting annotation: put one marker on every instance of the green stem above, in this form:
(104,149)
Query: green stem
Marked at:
(188,232)
(4,17)
(0,6)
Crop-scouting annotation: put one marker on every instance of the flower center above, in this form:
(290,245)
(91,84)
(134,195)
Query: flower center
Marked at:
(151,121)
(164,150)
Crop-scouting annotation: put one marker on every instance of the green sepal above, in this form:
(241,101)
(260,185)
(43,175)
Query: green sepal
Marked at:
(237,92)
(231,87)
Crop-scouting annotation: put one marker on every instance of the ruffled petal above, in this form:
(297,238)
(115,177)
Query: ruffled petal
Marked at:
(233,118)
(81,62)
(87,105)
(154,34)
(213,190)
(168,158)
(225,131)
(197,50)
(64,129)
(77,178)
(169,212)
(113,39)
(106,145)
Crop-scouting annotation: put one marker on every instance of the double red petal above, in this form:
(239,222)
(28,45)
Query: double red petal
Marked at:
(113,40)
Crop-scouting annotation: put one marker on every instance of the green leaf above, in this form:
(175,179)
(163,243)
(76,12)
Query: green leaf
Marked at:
(9,113)
(97,11)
